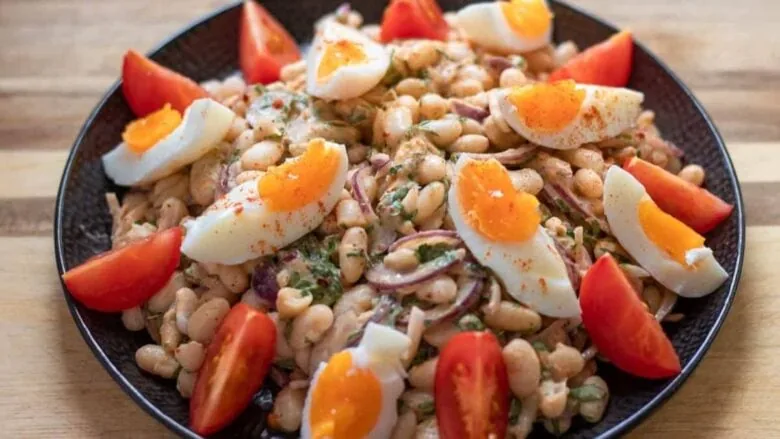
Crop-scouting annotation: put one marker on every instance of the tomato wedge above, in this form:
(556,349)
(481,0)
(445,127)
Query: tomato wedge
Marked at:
(607,63)
(697,207)
(121,279)
(265,46)
(620,326)
(236,363)
(148,86)
(472,388)
(413,19)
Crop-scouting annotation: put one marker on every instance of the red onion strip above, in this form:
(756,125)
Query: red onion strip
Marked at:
(432,237)
(359,193)
(385,279)
(466,110)
(468,296)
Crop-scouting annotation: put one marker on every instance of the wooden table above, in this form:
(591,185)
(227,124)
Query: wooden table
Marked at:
(57,57)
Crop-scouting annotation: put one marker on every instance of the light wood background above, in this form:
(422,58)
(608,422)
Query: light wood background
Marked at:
(57,57)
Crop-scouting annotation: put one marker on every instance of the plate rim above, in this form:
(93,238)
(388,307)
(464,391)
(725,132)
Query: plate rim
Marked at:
(623,427)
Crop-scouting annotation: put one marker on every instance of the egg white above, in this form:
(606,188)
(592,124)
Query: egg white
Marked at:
(204,124)
(605,113)
(347,81)
(532,272)
(622,195)
(239,226)
(486,26)
(380,351)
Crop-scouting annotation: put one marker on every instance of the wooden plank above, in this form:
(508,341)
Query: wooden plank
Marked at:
(30,174)
(26,217)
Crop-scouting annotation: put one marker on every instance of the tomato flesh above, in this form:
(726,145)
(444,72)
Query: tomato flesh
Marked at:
(148,86)
(413,19)
(471,388)
(607,63)
(265,46)
(122,279)
(697,207)
(620,326)
(236,363)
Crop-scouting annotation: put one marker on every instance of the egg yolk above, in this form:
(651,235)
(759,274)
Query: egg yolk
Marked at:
(142,134)
(527,18)
(299,181)
(346,401)
(339,54)
(547,108)
(492,206)
(667,232)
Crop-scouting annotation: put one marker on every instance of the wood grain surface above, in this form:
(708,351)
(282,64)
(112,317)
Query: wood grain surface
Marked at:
(58,56)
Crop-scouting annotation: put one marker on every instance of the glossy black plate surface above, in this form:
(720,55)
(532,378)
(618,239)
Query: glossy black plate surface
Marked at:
(208,49)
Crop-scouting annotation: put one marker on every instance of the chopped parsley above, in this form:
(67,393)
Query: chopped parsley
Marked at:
(470,322)
(392,75)
(427,252)
(540,346)
(426,408)
(323,280)
(514,410)
(395,168)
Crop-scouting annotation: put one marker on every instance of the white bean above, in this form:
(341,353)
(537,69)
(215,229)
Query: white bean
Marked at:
(565,361)
(512,77)
(186,303)
(474,143)
(405,426)
(283,349)
(441,289)
(552,398)
(585,158)
(170,337)
(288,409)
(422,376)
(522,366)
(190,355)
(185,383)
(443,132)
(423,54)
(233,277)
(310,326)
(163,299)
(397,122)
(427,430)
(402,260)
(431,168)
(133,319)
(352,254)
(433,106)
(262,155)
(204,321)
(527,180)
(692,174)
(466,87)
(593,411)
(290,302)
(513,317)
(440,334)
(431,197)
(348,214)
(153,359)
(411,103)
(172,211)
(358,299)
(412,86)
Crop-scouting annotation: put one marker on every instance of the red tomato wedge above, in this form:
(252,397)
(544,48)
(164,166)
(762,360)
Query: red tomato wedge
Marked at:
(236,363)
(121,279)
(413,19)
(472,388)
(265,46)
(695,206)
(620,326)
(607,63)
(148,86)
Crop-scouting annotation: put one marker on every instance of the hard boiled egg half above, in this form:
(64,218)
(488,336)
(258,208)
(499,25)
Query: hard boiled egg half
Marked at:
(507,26)
(260,217)
(162,143)
(673,253)
(501,227)
(344,63)
(565,115)
(354,395)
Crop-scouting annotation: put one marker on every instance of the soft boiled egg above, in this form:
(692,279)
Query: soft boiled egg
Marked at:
(565,115)
(507,26)
(501,227)
(259,217)
(354,395)
(673,253)
(162,143)
(343,63)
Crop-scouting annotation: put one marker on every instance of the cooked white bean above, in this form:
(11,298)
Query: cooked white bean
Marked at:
(475,143)
(443,132)
(593,411)
(527,180)
(588,183)
(513,317)
(564,52)
(292,71)
(439,335)
(565,361)
(552,398)
(692,174)
(348,214)
(233,277)
(405,426)
(185,383)
(358,299)
(522,427)
(397,122)
(402,259)
(551,168)
(427,430)
(170,337)
(352,254)
(153,359)
(290,302)
(511,77)
(440,289)
(204,321)
(357,153)
(163,299)
(283,349)
(204,176)
(431,168)
(585,158)
(476,71)
(244,141)
(500,138)
(478,100)
(310,326)
(470,126)
(133,319)
(466,87)
(411,103)
(288,409)
(414,330)
(414,87)
(522,366)
(190,355)
(423,54)
(433,106)
(186,302)
(262,155)
(422,376)
(431,197)
(248,176)
(335,339)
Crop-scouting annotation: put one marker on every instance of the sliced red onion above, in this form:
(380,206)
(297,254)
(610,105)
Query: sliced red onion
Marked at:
(467,297)
(571,268)
(279,377)
(497,63)
(359,193)
(381,238)
(557,194)
(430,237)
(663,145)
(385,279)
(466,110)
(382,310)
(509,157)
(379,160)
(264,283)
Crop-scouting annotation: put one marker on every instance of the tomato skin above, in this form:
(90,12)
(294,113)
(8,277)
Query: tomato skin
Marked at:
(122,279)
(236,363)
(471,369)
(620,326)
(265,46)
(607,63)
(148,86)
(697,207)
(413,19)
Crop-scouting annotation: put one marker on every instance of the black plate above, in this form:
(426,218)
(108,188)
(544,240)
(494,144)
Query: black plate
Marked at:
(208,49)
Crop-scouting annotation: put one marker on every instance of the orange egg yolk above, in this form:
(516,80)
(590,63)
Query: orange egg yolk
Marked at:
(339,54)
(667,232)
(547,108)
(527,18)
(299,181)
(346,400)
(142,134)
(492,206)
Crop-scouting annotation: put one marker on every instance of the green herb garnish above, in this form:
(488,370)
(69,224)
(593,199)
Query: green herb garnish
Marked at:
(427,252)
